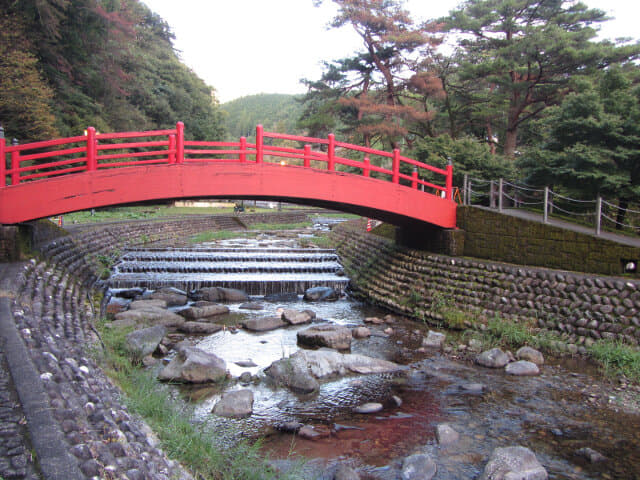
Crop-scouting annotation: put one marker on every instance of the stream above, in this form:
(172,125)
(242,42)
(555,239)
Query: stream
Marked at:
(555,414)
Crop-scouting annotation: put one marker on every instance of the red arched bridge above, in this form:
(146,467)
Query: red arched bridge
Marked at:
(53,177)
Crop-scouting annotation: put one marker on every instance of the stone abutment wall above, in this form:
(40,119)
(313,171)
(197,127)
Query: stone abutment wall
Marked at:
(438,287)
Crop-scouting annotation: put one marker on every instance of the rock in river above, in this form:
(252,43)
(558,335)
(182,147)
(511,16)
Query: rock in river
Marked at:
(522,368)
(294,317)
(204,310)
(199,328)
(192,365)
(513,463)
(331,336)
(144,342)
(530,354)
(263,324)
(321,294)
(151,315)
(238,404)
(494,358)
(418,467)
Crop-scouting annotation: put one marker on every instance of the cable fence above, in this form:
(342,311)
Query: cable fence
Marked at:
(600,214)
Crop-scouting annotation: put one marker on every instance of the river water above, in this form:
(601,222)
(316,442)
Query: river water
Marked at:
(555,414)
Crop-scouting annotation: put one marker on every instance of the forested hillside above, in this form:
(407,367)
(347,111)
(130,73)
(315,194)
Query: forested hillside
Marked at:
(69,64)
(276,112)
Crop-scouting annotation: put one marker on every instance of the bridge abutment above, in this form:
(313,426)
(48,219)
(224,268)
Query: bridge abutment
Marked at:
(428,237)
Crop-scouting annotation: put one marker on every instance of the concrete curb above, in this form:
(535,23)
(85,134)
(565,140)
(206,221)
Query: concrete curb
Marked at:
(52,450)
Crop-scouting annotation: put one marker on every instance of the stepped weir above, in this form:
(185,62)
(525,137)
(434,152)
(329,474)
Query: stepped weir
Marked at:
(258,271)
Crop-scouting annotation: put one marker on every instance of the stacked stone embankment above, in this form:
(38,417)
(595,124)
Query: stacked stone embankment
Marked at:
(424,285)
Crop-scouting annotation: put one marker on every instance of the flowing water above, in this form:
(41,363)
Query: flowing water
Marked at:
(554,414)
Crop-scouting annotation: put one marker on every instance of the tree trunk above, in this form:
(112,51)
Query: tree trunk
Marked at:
(510,142)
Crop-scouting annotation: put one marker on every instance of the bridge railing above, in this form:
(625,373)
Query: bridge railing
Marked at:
(94,151)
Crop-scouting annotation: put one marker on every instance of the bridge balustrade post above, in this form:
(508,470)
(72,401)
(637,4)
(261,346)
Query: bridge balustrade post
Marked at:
(259,144)
(366,170)
(331,153)
(3,162)
(179,142)
(243,149)
(449,180)
(414,176)
(15,164)
(172,149)
(307,156)
(395,168)
(92,150)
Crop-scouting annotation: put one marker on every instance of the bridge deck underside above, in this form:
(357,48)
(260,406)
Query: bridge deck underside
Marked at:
(341,191)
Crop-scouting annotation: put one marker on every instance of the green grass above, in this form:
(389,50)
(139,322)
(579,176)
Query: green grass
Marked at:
(211,235)
(279,226)
(336,215)
(192,445)
(617,358)
(319,240)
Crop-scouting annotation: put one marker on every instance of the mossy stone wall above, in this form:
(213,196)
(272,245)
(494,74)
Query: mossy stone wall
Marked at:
(502,238)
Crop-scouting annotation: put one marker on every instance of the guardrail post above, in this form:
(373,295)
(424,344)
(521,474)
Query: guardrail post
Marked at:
(179,142)
(492,194)
(331,153)
(449,181)
(243,149)
(500,187)
(545,217)
(15,163)
(598,214)
(259,144)
(366,170)
(307,156)
(469,192)
(3,160)
(92,150)
(395,167)
(172,149)
(465,182)
(414,176)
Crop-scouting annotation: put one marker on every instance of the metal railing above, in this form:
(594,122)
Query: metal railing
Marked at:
(501,194)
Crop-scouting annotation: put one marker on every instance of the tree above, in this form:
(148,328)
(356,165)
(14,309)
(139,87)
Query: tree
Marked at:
(369,85)
(526,51)
(592,140)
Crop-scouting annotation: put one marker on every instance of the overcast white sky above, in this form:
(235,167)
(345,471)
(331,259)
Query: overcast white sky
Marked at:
(244,47)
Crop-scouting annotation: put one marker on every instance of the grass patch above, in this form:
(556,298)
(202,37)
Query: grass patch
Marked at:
(336,215)
(617,358)
(321,241)
(279,226)
(192,445)
(212,235)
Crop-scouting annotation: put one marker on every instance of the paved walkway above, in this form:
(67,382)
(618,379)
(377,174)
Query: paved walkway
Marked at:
(527,215)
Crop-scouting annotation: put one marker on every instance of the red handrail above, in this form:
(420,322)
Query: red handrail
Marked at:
(96,151)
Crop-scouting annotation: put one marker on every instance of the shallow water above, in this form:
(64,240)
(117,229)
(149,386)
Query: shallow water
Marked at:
(552,413)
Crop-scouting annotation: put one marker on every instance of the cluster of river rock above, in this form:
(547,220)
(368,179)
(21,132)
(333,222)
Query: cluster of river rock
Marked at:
(166,322)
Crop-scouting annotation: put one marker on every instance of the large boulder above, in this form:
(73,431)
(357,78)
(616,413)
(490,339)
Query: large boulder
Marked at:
(294,317)
(321,294)
(531,355)
(148,303)
(144,342)
(263,324)
(205,310)
(494,358)
(237,404)
(331,336)
(418,467)
(301,370)
(294,374)
(151,316)
(219,294)
(511,463)
(172,296)
(193,365)
(199,328)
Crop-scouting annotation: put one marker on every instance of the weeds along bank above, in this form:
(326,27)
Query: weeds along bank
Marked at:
(461,292)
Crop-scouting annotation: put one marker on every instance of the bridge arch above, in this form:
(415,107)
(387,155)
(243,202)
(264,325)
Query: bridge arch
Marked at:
(95,170)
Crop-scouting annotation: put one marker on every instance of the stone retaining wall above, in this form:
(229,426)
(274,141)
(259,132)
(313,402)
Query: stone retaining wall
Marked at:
(9,251)
(438,287)
(491,235)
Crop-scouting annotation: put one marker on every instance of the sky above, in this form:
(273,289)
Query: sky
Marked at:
(245,47)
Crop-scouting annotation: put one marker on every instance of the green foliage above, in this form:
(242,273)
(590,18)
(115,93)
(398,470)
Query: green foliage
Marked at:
(275,112)
(212,235)
(110,65)
(279,226)
(617,358)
